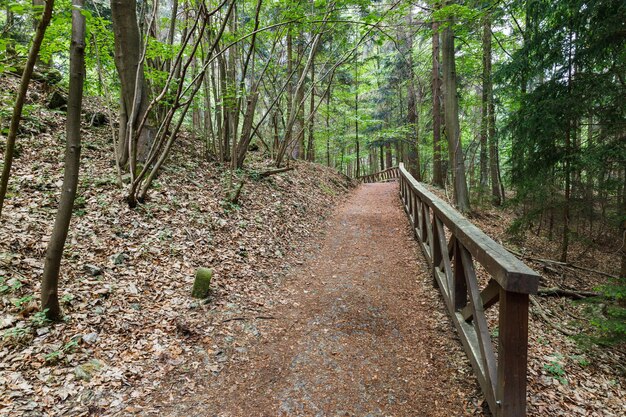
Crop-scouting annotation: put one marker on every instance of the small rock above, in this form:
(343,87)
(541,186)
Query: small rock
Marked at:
(119,258)
(7,321)
(82,374)
(86,370)
(202,283)
(57,101)
(90,338)
(96,119)
(6,258)
(92,270)
(43,330)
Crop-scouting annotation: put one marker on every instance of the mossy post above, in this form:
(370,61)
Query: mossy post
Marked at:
(202,283)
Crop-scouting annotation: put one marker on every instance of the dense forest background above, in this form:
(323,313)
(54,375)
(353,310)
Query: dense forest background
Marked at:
(515,105)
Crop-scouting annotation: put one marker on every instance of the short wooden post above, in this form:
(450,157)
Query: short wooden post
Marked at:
(512,354)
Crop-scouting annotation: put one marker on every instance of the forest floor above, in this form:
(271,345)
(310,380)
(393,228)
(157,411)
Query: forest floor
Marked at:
(310,313)
(127,274)
(356,330)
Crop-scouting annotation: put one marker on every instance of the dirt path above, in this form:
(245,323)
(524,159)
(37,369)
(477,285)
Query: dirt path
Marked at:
(357,330)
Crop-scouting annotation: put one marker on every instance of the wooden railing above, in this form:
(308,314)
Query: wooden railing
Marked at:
(452,259)
(386,175)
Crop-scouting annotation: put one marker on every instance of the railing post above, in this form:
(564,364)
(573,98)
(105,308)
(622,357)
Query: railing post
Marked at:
(512,354)
(459,292)
(436,249)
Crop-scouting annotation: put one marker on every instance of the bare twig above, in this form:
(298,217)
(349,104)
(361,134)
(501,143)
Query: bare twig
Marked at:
(539,310)
(249,318)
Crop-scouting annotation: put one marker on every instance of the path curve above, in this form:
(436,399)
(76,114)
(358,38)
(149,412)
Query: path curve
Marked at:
(359,330)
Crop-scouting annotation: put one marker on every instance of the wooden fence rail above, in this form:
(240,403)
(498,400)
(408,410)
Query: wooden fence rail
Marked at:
(502,376)
(386,175)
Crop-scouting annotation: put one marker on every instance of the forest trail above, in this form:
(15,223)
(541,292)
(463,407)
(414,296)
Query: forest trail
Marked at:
(357,330)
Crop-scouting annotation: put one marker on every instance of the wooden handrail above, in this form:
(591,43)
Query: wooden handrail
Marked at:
(385,175)
(503,380)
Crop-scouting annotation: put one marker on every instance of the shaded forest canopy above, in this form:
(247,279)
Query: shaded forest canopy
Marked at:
(513,105)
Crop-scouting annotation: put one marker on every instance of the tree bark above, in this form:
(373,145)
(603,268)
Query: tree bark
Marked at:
(33,54)
(488,122)
(299,149)
(436,87)
(134,95)
(461,196)
(486,97)
(412,114)
(310,149)
(356,116)
(54,252)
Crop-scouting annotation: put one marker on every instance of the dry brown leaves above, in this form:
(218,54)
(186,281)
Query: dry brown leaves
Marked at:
(127,274)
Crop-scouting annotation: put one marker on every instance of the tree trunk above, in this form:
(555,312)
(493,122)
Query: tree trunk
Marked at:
(33,54)
(567,163)
(54,252)
(310,155)
(488,122)
(299,125)
(461,196)
(134,95)
(622,274)
(356,116)
(388,155)
(436,87)
(486,98)
(412,114)
(328,126)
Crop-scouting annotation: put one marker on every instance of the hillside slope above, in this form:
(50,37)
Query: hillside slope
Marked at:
(127,274)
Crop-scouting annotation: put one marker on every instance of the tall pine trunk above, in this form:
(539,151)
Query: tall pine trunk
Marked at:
(488,125)
(436,92)
(453,132)
(451,100)
(486,98)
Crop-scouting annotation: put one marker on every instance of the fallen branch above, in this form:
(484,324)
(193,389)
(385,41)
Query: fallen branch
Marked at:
(249,318)
(275,171)
(548,262)
(560,292)
(539,310)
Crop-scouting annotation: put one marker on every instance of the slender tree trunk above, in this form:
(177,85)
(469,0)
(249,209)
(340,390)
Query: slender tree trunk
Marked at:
(54,252)
(328,127)
(488,123)
(484,120)
(623,228)
(436,87)
(299,151)
(567,163)
(172,30)
(311,143)
(33,54)
(461,196)
(356,116)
